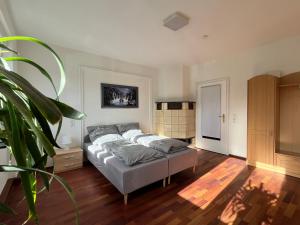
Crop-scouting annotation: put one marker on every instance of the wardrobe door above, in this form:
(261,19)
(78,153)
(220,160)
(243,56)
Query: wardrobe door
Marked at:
(261,119)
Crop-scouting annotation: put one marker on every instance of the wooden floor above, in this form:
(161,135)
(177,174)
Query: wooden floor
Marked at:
(223,191)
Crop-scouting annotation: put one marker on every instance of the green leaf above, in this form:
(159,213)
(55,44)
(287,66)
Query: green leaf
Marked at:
(3,134)
(9,168)
(3,112)
(7,48)
(19,153)
(68,111)
(45,106)
(15,135)
(37,41)
(36,155)
(63,183)
(41,69)
(5,209)
(5,119)
(44,124)
(20,105)
(3,63)
(58,129)
(50,182)
(26,114)
(28,184)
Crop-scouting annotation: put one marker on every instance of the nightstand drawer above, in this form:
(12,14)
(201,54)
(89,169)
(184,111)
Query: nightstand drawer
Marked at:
(68,159)
(60,167)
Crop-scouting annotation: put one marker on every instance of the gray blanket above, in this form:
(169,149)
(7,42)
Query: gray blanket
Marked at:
(131,153)
(163,144)
(169,145)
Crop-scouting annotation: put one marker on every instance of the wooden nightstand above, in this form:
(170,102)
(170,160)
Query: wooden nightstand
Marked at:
(68,159)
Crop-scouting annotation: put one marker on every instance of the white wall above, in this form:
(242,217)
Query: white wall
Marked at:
(93,77)
(172,81)
(74,61)
(281,57)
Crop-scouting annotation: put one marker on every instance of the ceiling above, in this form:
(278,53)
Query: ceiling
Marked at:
(132,30)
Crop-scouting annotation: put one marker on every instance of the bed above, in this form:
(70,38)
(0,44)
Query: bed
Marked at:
(180,158)
(128,178)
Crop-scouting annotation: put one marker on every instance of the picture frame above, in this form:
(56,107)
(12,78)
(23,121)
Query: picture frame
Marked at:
(119,96)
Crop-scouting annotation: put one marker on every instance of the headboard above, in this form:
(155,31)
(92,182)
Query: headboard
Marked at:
(121,127)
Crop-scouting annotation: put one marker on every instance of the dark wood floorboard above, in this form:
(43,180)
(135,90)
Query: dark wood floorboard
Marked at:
(223,191)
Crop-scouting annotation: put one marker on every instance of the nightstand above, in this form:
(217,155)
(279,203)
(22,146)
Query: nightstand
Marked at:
(68,159)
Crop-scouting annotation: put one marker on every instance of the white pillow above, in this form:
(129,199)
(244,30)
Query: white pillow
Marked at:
(131,134)
(107,138)
(94,148)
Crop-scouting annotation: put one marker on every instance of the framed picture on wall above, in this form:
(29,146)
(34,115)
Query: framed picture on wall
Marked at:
(119,96)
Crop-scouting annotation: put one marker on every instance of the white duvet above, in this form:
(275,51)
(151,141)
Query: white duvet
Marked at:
(97,144)
(148,139)
(136,136)
(131,134)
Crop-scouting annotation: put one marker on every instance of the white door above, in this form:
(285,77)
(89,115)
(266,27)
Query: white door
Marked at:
(212,116)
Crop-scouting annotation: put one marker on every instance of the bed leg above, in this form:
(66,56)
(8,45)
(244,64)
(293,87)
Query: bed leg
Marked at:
(125,199)
(164,182)
(169,179)
(194,169)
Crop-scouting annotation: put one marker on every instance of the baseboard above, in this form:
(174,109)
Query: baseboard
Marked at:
(6,189)
(237,157)
(274,168)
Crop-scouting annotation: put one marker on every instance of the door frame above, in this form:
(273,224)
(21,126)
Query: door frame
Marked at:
(225,80)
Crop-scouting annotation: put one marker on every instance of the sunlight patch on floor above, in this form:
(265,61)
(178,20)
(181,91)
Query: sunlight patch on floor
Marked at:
(205,189)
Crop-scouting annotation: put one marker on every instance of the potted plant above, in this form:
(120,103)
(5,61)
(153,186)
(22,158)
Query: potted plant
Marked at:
(26,115)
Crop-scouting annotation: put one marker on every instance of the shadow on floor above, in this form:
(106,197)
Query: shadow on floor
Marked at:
(223,191)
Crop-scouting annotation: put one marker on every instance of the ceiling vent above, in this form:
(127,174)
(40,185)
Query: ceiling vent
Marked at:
(176,21)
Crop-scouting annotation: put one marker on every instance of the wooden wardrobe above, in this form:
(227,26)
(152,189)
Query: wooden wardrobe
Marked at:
(274,123)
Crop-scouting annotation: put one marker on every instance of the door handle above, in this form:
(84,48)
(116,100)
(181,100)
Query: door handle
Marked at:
(223,117)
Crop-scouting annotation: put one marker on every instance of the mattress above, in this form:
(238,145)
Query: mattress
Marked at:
(179,161)
(127,178)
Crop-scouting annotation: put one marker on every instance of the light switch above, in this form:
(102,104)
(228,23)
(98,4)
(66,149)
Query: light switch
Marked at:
(234,118)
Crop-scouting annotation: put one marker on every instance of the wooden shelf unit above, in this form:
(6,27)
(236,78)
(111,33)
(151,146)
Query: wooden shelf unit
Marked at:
(274,122)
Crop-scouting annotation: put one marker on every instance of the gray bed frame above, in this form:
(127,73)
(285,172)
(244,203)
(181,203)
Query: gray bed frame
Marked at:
(130,178)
